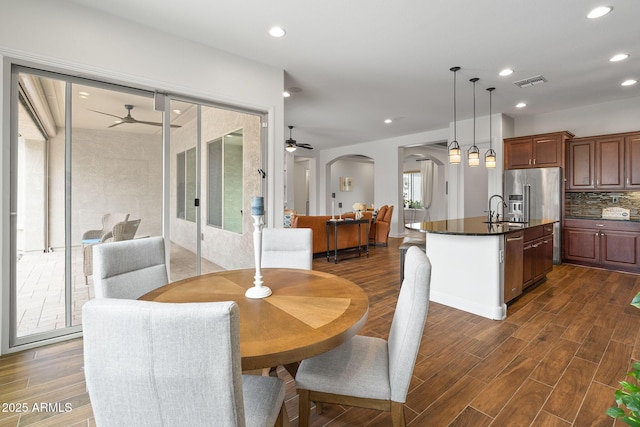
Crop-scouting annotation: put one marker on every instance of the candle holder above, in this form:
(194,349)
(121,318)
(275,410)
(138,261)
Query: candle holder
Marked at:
(257,291)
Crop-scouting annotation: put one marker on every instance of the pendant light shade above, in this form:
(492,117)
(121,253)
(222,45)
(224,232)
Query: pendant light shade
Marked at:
(454,147)
(473,154)
(490,155)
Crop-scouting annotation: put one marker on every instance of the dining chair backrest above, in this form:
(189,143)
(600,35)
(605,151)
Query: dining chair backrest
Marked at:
(287,248)
(163,364)
(130,268)
(408,322)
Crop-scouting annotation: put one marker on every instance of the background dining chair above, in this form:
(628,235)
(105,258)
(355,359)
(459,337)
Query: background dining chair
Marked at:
(130,268)
(370,372)
(287,248)
(163,364)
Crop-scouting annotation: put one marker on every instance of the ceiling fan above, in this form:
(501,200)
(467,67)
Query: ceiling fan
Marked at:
(129,119)
(291,144)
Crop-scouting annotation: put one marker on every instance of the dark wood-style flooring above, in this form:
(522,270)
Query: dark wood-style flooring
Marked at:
(555,361)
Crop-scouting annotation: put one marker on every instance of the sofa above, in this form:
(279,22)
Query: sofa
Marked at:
(379,233)
(347,236)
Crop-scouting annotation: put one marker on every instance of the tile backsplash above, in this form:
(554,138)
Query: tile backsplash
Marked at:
(591,204)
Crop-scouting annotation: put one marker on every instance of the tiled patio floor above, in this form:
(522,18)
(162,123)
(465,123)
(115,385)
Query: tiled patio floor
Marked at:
(40,279)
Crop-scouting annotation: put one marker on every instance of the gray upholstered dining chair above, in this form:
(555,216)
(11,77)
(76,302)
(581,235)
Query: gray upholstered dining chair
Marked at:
(172,364)
(130,268)
(370,372)
(287,248)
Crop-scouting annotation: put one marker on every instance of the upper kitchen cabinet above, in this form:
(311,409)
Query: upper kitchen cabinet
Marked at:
(607,162)
(536,151)
(632,157)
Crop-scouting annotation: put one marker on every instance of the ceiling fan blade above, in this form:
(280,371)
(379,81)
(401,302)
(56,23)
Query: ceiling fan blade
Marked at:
(147,123)
(153,123)
(116,124)
(106,114)
(307,146)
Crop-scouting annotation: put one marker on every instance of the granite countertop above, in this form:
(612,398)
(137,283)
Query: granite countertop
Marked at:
(475,226)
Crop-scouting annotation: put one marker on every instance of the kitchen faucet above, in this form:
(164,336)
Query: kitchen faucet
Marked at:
(490,212)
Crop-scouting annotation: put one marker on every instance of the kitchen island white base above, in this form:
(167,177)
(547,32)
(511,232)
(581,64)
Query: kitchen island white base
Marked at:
(467,273)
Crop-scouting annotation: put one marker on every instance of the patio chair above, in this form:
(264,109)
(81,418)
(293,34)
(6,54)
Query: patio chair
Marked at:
(287,248)
(109,220)
(172,364)
(130,268)
(124,230)
(370,372)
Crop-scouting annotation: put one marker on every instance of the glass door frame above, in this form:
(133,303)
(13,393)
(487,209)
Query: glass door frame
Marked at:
(69,331)
(11,68)
(164,101)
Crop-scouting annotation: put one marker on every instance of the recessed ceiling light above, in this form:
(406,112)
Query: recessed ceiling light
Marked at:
(619,57)
(387,121)
(599,11)
(83,95)
(629,82)
(506,72)
(521,105)
(277,32)
(286,94)
(177,111)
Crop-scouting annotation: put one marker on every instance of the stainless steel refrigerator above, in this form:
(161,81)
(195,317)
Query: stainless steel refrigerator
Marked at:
(535,194)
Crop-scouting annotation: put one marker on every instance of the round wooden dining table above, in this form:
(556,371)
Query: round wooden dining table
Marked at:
(308,313)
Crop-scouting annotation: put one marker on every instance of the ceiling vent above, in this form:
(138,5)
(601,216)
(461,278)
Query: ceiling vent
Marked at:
(531,81)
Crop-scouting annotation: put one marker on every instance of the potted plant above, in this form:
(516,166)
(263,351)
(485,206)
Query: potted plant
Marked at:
(628,397)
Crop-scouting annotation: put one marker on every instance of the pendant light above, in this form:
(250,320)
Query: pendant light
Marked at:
(490,155)
(473,154)
(454,147)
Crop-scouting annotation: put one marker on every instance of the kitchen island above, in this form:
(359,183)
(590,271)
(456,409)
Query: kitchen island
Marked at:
(478,267)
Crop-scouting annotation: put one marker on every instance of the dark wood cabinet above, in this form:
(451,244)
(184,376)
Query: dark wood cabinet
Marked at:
(546,249)
(608,162)
(518,153)
(528,259)
(513,265)
(607,244)
(538,254)
(537,151)
(632,161)
(581,244)
(581,156)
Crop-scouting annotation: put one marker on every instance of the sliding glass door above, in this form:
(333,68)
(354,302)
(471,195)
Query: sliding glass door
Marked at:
(85,156)
(210,174)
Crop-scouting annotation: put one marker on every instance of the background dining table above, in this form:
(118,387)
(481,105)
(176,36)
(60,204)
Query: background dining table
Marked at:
(308,313)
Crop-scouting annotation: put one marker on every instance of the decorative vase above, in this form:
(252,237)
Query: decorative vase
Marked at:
(358,214)
(257,213)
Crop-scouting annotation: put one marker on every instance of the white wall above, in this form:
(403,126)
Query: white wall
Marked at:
(108,175)
(610,117)
(301,186)
(362,188)
(590,120)
(387,179)
(100,46)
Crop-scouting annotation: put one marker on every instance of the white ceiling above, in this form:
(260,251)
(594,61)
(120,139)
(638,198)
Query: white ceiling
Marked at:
(358,62)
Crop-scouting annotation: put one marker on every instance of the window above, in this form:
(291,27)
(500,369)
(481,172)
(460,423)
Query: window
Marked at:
(224,186)
(186,185)
(412,189)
